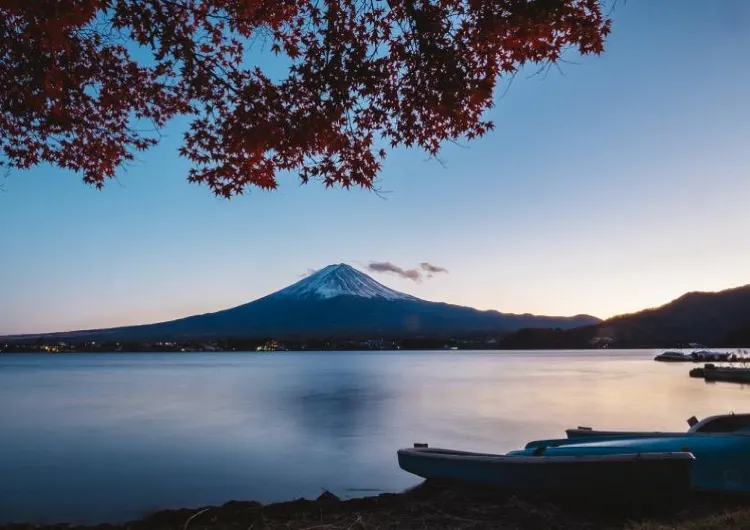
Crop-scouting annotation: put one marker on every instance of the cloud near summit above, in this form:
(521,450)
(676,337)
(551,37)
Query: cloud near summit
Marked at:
(308,272)
(431,269)
(425,269)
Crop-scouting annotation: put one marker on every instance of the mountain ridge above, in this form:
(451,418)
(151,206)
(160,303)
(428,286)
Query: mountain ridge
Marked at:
(709,318)
(690,295)
(704,317)
(336,300)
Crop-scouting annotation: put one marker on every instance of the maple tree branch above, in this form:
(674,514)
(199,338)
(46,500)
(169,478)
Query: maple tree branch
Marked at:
(412,73)
(380,192)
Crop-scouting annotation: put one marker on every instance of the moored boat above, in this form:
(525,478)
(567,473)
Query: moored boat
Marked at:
(709,355)
(703,356)
(720,423)
(673,356)
(722,461)
(632,476)
(730,374)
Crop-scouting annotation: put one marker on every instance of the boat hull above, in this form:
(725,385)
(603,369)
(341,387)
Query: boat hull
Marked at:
(663,479)
(722,461)
(729,375)
(592,433)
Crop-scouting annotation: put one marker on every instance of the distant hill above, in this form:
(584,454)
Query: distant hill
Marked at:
(337,301)
(712,319)
(707,318)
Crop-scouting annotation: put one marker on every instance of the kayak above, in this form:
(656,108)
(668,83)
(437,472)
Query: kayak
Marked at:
(720,423)
(722,461)
(660,477)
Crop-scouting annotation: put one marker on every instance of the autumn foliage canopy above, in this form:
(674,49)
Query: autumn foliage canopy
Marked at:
(86,84)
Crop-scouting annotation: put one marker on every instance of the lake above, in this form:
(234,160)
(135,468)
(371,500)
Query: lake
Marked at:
(110,437)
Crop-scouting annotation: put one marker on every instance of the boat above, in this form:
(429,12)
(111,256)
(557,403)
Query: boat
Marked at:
(720,423)
(708,355)
(629,476)
(722,461)
(731,374)
(673,356)
(702,356)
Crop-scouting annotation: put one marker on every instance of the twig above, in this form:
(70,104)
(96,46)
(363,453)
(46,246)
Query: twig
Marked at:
(204,510)
(381,193)
(510,83)
(358,520)
(613,6)
(457,144)
(438,159)
(464,519)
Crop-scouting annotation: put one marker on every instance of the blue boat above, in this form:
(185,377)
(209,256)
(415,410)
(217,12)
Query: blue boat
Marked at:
(663,478)
(720,423)
(722,461)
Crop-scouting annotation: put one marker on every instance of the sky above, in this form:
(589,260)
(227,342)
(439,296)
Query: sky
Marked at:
(616,184)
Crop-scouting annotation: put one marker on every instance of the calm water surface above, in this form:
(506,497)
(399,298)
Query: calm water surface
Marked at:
(92,437)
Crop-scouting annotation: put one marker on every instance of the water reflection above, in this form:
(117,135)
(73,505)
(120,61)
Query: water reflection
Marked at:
(107,437)
(346,407)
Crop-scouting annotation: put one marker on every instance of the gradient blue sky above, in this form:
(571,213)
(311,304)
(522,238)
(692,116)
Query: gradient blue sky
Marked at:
(617,186)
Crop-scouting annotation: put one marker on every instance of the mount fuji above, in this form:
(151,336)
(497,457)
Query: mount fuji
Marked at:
(338,301)
(339,280)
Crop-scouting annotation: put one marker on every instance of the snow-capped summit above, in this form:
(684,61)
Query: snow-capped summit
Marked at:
(339,280)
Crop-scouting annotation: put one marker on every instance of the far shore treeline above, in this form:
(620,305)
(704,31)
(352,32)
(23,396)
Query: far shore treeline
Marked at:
(587,337)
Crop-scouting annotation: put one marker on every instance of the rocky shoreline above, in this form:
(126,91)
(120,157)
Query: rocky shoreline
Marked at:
(429,508)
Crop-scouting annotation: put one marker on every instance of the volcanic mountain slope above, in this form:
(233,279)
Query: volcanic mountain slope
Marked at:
(337,301)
